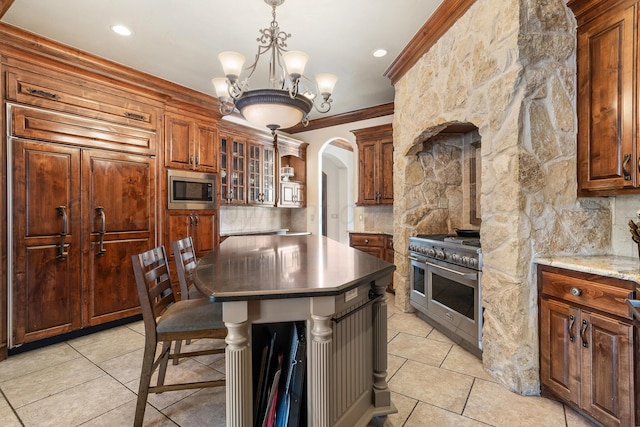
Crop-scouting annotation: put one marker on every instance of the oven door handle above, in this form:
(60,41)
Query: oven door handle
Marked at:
(423,261)
(469,276)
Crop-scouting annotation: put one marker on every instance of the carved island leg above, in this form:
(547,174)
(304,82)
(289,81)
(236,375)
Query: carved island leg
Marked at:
(321,353)
(381,393)
(238,372)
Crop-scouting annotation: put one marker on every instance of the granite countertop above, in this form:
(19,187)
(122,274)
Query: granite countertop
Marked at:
(370,232)
(254,232)
(620,267)
(281,266)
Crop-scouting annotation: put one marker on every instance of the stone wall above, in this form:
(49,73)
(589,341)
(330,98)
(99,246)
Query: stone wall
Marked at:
(508,67)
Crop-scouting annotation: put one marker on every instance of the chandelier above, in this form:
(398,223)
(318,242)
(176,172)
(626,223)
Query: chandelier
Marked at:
(290,95)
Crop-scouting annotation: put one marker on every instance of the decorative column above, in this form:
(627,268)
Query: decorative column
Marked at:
(321,356)
(237,359)
(381,393)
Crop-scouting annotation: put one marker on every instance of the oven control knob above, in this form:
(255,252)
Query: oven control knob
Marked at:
(440,255)
(465,260)
(455,258)
(412,247)
(431,252)
(472,262)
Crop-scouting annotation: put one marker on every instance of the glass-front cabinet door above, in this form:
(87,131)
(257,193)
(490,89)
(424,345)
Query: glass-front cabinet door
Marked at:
(261,175)
(232,170)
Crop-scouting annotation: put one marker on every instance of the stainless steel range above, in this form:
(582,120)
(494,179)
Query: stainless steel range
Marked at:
(446,272)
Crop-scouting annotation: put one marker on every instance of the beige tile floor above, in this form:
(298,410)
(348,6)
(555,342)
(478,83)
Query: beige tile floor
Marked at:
(93,380)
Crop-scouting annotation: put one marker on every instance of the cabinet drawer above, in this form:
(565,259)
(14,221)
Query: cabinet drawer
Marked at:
(76,95)
(373,251)
(596,295)
(43,125)
(367,240)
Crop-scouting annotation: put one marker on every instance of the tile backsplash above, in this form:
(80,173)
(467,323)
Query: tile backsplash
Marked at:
(624,209)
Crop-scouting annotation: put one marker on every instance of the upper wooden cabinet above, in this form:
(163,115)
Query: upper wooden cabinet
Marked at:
(292,191)
(191,142)
(261,174)
(607,61)
(250,166)
(375,165)
(48,88)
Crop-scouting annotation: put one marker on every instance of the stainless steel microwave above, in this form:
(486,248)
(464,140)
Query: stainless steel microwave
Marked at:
(191,190)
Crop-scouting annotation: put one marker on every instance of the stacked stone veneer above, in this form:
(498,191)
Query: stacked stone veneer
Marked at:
(508,67)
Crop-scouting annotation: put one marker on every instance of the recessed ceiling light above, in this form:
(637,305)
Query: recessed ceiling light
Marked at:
(379,53)
(121,29)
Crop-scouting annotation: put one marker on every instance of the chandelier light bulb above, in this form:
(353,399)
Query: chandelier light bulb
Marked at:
(326,84)
(295,61)
(222,88)
(232,63)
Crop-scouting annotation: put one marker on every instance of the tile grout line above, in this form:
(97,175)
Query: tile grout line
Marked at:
(12,408)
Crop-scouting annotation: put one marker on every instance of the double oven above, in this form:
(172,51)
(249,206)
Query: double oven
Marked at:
(446,273)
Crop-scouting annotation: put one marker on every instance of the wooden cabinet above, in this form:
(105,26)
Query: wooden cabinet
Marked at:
(79,214)
(377,245)
(294,155)
(232,169)
(118,214)
(191,142)
(291,194)
(588,346)
(53,89)
(375,165)
(607,62)
(261,174)
(201,225)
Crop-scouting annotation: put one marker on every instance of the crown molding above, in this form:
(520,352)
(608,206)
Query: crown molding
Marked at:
(341,119)
(438,24)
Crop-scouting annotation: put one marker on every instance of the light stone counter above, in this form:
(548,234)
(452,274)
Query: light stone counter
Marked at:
(620,267)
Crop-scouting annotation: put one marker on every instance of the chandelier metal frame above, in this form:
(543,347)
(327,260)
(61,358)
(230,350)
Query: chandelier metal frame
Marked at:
(286,87)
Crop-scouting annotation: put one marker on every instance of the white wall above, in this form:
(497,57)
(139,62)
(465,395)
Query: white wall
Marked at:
(316,140)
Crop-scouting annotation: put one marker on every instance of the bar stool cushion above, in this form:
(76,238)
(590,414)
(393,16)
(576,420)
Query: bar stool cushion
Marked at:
(191,315)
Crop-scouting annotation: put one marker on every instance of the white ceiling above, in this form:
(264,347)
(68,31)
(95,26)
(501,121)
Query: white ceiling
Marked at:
(179,40)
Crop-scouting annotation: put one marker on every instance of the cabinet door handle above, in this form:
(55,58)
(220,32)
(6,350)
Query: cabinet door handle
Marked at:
(191,159)
(198,160)
(197,219)
(43,94)
(583,334)
(190,220)
(572,320)
(103,229)
(62,210)
(625,163)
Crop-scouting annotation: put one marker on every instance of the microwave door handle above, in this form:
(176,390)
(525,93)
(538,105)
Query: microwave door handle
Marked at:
(470,276)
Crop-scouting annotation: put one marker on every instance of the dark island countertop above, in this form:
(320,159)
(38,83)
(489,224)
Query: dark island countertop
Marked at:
(275,266)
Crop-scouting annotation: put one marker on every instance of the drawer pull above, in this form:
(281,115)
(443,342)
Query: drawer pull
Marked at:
(572,320)
(583,334)
(366,240)
(575,292)
(42,93)
(134,116)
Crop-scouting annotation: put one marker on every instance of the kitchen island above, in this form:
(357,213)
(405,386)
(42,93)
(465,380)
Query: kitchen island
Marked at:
(336,292)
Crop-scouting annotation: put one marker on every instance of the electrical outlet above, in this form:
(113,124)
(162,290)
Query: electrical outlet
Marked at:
(361,218)
(443,203)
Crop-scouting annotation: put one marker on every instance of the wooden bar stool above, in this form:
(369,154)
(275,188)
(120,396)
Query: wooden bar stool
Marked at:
(166,320)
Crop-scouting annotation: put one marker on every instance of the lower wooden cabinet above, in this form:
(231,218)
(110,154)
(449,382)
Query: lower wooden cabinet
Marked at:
(376,244)
(201,225)
(588,344)
(78,215)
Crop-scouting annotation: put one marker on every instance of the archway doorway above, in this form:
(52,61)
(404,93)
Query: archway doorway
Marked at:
(336,195)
